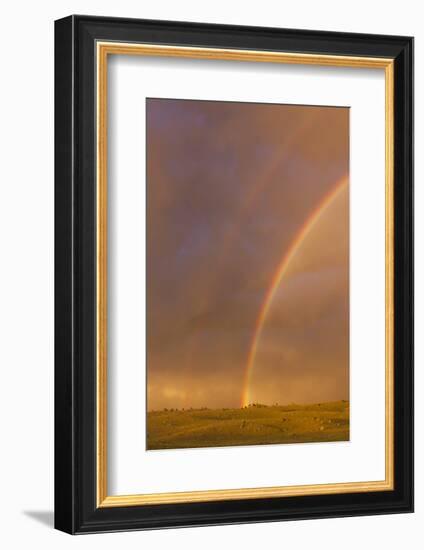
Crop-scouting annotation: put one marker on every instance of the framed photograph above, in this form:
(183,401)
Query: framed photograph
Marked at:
(234,274)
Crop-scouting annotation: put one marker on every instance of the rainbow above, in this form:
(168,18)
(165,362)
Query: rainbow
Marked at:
(278,276)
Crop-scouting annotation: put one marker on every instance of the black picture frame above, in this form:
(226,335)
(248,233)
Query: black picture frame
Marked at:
(76,510)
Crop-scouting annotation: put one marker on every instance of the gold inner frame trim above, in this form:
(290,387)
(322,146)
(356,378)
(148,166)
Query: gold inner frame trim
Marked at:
(103,50)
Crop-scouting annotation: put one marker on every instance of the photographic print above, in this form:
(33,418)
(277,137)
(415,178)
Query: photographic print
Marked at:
(247,273)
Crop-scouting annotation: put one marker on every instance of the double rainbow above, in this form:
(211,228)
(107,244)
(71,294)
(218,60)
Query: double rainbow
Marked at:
(278,276)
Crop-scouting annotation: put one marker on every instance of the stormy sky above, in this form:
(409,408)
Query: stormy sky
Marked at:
(229,187)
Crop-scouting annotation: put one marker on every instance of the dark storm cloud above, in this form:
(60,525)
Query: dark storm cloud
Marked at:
(228,187)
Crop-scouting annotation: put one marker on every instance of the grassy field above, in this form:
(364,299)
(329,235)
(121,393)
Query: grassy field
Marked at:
(253,425)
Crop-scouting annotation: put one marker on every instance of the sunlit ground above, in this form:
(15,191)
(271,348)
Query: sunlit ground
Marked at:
(253,425)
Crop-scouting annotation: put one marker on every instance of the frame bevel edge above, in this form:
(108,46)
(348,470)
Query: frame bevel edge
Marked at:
(404,264)
(400,40)
(65,505)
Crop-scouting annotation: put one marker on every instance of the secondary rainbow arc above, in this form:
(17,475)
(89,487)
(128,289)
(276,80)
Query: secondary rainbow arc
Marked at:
(281,270)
